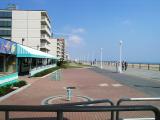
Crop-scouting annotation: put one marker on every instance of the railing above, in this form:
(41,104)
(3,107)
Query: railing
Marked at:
(133,100)
(44,18)
(89,103)
(78,107)
(45,36)
(154,67)
(46,28)
(61,109)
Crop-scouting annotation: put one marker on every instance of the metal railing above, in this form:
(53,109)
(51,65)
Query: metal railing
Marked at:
(133,100)
(82,107)
(61,109)
(88,103)
(145,66)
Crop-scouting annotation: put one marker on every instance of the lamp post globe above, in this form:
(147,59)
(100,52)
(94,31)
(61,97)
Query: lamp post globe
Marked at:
(120,56)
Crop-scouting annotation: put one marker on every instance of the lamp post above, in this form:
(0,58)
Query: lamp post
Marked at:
(22,40)
(38,47)
(101,59)
(120,56)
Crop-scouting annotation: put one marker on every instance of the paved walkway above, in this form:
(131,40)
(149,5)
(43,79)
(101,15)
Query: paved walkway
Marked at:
(87,82)
(148,74)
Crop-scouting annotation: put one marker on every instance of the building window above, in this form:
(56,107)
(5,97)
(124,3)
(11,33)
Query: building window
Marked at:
(5,24)
(5,14)
(5,33)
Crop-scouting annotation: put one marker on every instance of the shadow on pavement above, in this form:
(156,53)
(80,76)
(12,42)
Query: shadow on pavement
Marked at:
(38,118)
(147,86)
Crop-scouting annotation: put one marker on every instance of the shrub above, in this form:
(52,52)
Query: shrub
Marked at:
(5,89)
(2,91)
(45,72)
(8,88)
(19,83)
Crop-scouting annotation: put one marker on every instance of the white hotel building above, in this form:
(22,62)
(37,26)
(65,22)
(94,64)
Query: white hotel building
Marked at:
(28,27)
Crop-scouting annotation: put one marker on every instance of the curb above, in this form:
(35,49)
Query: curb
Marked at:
(14,92)
(48,74)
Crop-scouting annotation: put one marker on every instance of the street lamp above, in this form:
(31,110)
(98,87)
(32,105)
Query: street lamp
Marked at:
(120,56)
(38,47)
(22,40)
(101,59)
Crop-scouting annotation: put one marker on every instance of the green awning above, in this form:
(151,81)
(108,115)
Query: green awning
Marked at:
(23,51)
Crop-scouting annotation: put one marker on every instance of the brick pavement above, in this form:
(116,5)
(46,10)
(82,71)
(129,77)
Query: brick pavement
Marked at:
(87,83)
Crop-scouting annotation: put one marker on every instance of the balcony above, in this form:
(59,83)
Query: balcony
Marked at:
(45,37)
(45,21)
(45,29)
(44,47)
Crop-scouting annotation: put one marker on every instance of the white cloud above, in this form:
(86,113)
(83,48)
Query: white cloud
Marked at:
(74,36)
(78,30)
(75,39)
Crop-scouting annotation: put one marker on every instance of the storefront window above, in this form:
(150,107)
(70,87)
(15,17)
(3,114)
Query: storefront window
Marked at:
(1,64)
(7,64)
(33,63)
(10,64)
(7,56)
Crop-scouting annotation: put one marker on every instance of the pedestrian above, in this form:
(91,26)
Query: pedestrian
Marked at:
(117,66)
(91,63)
(123,65)
(126,65)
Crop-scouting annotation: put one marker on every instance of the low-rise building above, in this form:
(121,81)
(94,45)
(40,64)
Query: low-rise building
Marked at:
(61,48)
(57,46)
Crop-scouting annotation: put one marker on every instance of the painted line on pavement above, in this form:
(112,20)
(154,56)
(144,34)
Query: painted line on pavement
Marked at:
(117,85)
(103,85)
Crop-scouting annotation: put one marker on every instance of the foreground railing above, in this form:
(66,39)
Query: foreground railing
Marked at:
(60,110)
(123,100)
(78,107)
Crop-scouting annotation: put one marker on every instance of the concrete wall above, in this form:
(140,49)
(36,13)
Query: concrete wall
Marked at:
(53,46)
(27,25)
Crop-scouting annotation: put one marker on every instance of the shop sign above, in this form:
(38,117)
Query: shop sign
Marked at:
(7,47)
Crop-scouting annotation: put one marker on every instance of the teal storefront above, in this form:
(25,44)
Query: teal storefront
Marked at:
(8,66)
(16,59)
(31,61)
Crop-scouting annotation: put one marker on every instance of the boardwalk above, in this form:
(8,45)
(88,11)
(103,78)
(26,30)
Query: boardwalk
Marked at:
(88,83)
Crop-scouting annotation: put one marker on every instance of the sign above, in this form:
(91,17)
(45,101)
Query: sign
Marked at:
(7,47)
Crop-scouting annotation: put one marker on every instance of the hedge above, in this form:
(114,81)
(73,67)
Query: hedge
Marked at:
(9,87)
(45,72)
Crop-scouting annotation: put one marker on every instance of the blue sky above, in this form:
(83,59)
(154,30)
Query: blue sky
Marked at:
(89,25)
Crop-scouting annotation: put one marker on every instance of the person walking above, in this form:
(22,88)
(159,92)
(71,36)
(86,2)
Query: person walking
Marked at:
(123,65)
(116,66)
(126,65)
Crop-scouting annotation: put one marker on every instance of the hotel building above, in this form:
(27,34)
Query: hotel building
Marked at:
(27,27)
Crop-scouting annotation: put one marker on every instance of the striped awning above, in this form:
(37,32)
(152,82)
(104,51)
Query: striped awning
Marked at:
(23,51)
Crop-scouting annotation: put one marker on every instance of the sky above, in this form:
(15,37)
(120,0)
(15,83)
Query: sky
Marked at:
(89,25)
